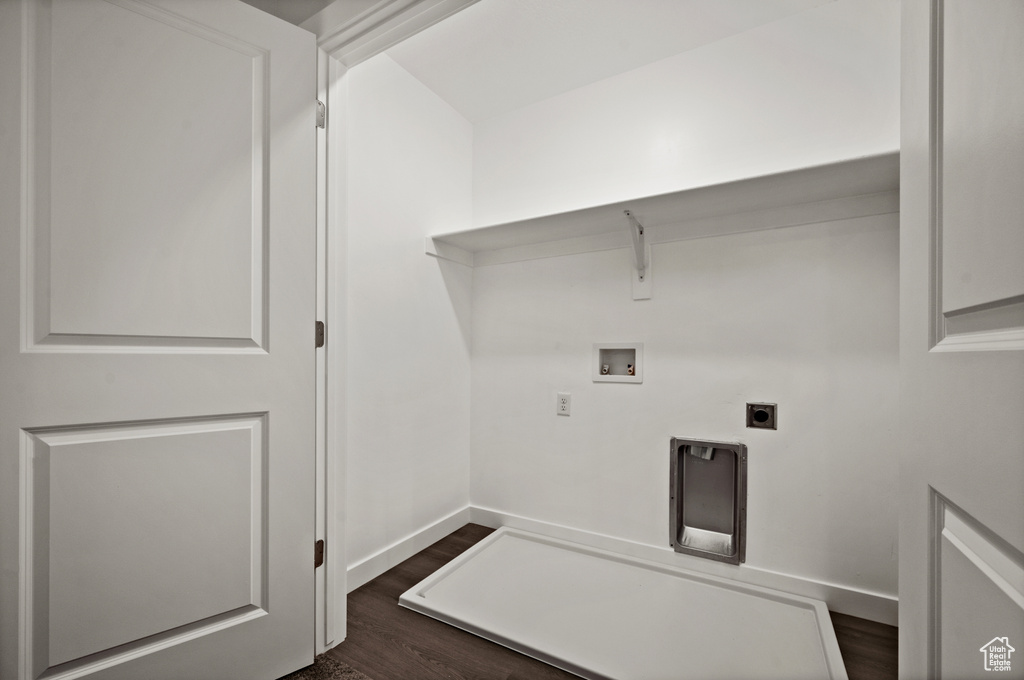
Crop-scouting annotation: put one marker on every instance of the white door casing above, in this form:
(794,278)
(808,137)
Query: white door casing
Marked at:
(961,581)
(157,286)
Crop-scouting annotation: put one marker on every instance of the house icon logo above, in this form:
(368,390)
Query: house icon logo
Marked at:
(997,654)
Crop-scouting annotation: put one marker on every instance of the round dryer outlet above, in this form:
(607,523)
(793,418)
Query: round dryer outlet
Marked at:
(761,416)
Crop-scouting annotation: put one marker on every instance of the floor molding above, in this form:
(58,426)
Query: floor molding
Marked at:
(864,604)
(373,566)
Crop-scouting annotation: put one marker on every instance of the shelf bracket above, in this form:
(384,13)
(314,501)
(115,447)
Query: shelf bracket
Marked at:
(446,251)
(641,259)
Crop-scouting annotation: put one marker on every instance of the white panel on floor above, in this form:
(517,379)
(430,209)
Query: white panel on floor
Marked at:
(603,616)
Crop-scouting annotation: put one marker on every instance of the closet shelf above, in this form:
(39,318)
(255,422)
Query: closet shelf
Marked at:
(857,187)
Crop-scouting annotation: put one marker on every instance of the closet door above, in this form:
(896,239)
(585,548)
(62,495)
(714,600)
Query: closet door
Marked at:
(961,546)
(157,264)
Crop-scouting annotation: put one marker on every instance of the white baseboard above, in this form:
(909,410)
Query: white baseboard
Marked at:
(373,566)
(843,599)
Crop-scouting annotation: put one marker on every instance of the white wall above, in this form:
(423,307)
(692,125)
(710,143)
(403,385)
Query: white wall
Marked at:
(408,363)
(804,316)
(813,88)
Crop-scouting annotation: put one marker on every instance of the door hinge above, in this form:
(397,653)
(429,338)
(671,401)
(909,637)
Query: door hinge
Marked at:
(321,334)
(318,553)
(321,114)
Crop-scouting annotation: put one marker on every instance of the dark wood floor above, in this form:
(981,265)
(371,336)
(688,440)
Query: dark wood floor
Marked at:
(388,642)
(869,648)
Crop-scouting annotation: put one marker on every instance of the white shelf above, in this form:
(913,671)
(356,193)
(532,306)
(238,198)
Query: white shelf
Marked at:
(852,188)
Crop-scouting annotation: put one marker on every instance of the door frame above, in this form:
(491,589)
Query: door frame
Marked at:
(345,37)
(330,607)
(331,451)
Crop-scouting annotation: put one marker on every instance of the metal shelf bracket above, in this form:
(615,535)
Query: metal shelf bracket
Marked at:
(641,259)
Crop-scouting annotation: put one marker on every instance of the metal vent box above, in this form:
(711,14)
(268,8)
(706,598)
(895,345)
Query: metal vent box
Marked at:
(708,499)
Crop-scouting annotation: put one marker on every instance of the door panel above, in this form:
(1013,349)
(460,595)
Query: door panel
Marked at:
(157,255)
(176,251)
(982,155)
(979,170)
(980,585)
(961,337)
(169,564)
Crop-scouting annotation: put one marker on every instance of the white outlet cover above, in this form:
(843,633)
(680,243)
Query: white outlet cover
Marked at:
(563,405)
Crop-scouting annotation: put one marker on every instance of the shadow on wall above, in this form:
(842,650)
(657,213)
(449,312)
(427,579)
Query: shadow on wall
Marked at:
(458,279)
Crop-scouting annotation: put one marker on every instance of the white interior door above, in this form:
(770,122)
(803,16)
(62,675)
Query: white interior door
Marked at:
(157,297)
(962,340)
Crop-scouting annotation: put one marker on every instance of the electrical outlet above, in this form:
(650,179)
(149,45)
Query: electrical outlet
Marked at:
(564,404)
(762,416)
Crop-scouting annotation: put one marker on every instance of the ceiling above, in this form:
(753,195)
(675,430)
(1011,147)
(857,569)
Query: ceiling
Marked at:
(292,11)
(499,55)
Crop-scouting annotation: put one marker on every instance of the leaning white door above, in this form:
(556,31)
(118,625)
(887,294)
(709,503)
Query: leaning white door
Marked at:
(157,303)
(962,340)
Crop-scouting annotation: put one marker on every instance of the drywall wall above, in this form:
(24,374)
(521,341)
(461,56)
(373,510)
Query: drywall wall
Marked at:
(408,363)
(819,86)
(805,316)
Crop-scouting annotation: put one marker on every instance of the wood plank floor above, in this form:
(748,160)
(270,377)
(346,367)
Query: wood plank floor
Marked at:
(388,642)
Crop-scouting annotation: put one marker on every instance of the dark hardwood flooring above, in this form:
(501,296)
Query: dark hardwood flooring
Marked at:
(869,648)
(388,642)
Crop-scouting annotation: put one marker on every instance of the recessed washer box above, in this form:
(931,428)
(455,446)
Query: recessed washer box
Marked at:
(618,362)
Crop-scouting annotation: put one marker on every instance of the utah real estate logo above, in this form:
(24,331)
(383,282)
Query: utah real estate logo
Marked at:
(997,654)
